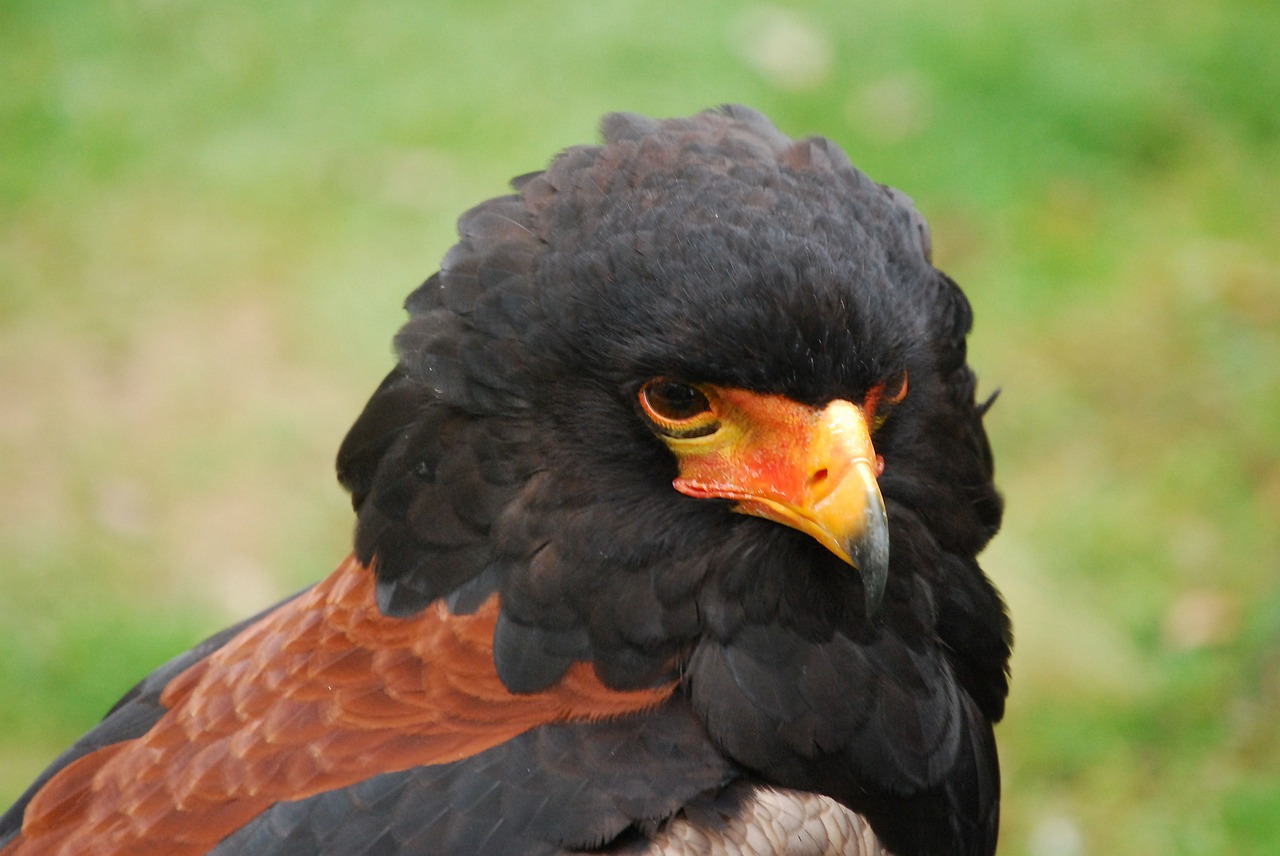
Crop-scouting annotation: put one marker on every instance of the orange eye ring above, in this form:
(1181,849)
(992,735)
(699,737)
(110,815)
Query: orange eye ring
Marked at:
(677,409)
(901,393)
(882,398)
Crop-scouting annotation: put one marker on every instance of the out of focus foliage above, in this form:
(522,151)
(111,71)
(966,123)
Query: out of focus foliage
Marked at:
(209,214)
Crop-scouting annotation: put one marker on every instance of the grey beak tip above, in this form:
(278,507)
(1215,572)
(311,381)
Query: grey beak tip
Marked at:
(875,575)
(870,554)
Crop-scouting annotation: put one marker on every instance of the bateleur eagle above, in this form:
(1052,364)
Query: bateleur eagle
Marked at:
(666,526)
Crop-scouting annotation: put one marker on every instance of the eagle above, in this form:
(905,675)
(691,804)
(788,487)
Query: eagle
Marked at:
(666,531)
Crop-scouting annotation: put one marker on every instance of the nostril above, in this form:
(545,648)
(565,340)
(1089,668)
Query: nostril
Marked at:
(818,476)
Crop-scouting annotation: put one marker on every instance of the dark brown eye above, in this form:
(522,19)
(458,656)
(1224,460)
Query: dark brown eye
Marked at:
(678,409)
(675,401)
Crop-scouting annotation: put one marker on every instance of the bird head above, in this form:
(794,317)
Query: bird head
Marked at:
(699,376)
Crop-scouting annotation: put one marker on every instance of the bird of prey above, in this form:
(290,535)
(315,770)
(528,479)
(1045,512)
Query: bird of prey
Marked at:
(667,518)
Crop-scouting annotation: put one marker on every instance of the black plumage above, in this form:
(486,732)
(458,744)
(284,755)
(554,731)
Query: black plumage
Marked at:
(717,249)
(506,453)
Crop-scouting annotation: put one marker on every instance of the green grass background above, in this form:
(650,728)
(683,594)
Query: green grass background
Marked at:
(210,213)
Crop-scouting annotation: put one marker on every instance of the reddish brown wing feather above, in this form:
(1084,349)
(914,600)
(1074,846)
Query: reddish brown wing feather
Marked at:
(324,692)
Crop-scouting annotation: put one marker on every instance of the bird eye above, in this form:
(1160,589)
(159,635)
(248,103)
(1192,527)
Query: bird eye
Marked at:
(677,409)
(897,390)
(882,398)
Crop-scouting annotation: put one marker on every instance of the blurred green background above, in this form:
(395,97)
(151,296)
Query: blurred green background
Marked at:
(210,213)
